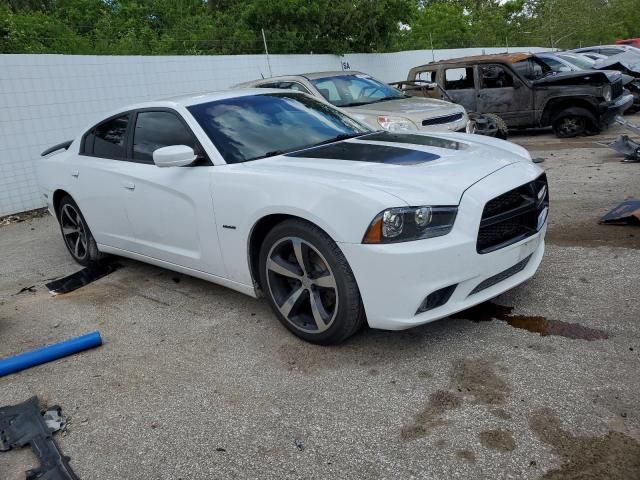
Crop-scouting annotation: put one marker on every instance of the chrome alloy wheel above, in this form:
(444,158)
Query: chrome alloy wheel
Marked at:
(302,285)
(74,231)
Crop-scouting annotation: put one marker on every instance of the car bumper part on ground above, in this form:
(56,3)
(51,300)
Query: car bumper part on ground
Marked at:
(395,279)
(609,110)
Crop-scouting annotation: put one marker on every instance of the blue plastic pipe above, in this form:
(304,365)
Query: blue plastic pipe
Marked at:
(49,353)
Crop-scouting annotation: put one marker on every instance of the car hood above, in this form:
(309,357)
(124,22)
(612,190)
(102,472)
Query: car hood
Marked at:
(416,168)
(414,108)
(578,77)
(625,62)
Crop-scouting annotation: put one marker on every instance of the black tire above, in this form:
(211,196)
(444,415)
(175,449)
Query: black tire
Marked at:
(80,244)
(573,122)
(503,130)
(323,260)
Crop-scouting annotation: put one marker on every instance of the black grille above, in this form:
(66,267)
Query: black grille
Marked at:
(441,120)
(616,89)
(513,216)
(499,277)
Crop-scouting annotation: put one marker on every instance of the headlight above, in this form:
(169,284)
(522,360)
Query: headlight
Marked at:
(606,92)
(395,124)
(410,223)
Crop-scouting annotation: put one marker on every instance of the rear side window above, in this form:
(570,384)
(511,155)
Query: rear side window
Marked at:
(156,130)
(109,138)
(426,76)
(459,78)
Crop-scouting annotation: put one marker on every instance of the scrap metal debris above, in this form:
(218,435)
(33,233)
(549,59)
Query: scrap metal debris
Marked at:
(24,424)
(81,278)
(30,289)
(624,145)
(627,213)
(21,217)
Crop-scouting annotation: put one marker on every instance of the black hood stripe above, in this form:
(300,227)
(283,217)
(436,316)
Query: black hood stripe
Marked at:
(367,152)
(414,139)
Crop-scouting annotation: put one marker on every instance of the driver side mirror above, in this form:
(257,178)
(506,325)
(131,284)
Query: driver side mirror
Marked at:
(174,156)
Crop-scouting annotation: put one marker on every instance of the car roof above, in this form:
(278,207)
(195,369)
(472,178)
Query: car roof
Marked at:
(308,76)
(496,57)
(188,100)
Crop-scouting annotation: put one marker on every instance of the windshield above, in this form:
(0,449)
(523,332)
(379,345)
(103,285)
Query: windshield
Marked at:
(580,61)
(257,126)
(353,90)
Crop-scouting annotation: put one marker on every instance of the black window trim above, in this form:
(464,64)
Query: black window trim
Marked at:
(91,131)
(204,160)
(132,119)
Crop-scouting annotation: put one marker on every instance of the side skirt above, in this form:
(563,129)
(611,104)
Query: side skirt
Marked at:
(225,282)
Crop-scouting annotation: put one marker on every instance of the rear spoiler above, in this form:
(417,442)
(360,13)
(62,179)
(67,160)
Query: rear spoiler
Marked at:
(57,147)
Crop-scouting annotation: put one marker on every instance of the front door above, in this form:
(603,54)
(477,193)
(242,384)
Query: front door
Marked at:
(171,209)
(502,93)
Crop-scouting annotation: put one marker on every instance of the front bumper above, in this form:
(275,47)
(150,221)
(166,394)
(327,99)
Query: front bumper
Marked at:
(395,279)
(610,110)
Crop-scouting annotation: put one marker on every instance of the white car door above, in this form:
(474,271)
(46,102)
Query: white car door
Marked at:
(95,182)
(170,209)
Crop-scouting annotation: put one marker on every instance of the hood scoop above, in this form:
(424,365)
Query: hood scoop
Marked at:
(368,152)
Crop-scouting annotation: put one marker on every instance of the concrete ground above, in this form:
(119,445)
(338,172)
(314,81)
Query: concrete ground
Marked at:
(195,381)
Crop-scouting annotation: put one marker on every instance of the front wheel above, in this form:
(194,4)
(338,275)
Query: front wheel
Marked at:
(574,122)
(76,234)
(309,283)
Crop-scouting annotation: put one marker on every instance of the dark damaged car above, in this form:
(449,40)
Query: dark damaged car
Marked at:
(525,92)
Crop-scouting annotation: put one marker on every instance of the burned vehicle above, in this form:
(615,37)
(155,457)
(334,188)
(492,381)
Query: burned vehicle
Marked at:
(627,63)
(524,92)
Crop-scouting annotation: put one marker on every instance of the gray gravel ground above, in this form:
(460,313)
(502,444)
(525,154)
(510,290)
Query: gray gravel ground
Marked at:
(195,381)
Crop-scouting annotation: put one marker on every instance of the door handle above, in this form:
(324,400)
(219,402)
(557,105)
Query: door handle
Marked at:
(129,185)
(75,173)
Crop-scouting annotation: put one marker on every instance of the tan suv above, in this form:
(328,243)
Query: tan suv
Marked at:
(372,101)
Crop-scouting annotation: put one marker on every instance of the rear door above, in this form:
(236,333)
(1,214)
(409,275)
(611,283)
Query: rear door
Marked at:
(503,93)
(170,209)
(96,183)
(460,85)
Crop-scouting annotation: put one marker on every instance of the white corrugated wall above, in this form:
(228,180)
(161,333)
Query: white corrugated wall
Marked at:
(47,99)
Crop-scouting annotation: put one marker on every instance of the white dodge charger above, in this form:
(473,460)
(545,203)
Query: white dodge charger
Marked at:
(273,192)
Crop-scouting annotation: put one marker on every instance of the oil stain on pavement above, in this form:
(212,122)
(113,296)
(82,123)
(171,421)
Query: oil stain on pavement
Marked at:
(487,311)
(500,440)
(431,416)
(615,456)
(478,377)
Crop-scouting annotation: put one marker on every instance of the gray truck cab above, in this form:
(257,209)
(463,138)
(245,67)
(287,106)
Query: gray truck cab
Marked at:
(525,93)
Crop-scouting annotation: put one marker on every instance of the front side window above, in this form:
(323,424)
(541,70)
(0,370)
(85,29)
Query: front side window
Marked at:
(110,138)
(495,76)
(156,130)
(257,126)
(353,90)
(459,78)
(530,69)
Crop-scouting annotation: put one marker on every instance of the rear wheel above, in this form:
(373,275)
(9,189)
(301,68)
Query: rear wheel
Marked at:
(76,234)
(309,283)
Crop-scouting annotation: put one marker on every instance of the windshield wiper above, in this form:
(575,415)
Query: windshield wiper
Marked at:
(385,99)
(338,138)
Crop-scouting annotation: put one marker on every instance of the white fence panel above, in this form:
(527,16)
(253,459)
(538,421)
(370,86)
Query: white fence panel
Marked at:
(47,99)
